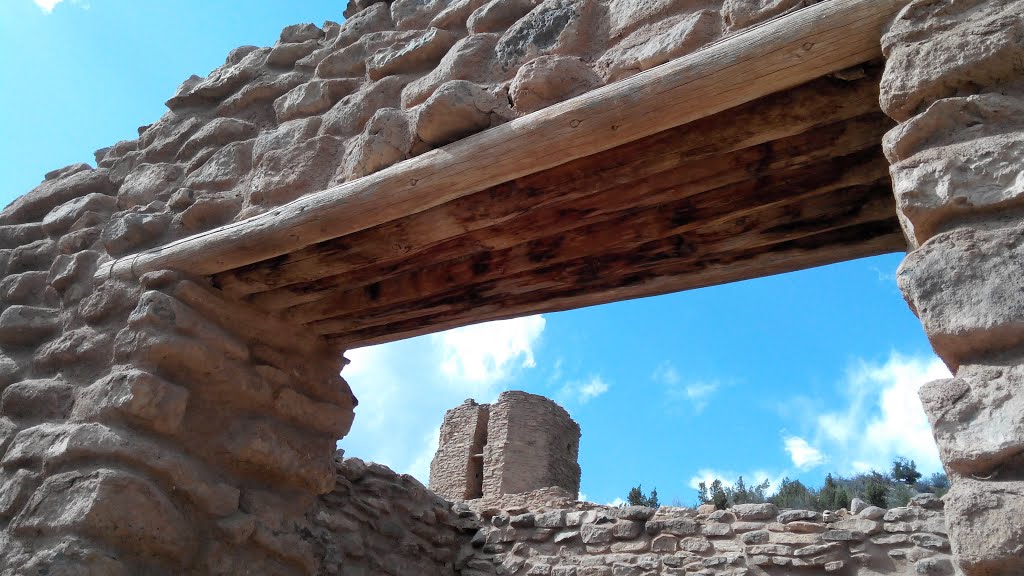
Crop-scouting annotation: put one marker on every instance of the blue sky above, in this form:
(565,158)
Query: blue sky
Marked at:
(794,375)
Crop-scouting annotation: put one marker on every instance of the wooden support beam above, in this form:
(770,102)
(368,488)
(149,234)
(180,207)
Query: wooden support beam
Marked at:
(768,200)
(775,56)
(653,242)
(858,241)
(770,134)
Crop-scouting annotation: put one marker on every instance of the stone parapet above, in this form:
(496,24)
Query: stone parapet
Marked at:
(580,539)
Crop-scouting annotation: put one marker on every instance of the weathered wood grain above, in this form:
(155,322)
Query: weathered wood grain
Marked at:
(780,54)
(859,241)
(630,226)
(627,261)
(818,108)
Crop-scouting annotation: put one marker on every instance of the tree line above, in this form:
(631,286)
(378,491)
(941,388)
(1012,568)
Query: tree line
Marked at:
(890,490)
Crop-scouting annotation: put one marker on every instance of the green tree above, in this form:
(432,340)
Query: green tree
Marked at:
(638,498)
(833,496)
(719,497)
(875,493)
(793,494)
(741,494)
(905,471)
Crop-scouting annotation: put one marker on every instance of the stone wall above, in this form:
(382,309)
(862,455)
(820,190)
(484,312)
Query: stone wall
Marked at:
(152,426)
(522,442)
(377,522)
(564,538)
(457,470)
(954,80)
(531,443)
(162,428)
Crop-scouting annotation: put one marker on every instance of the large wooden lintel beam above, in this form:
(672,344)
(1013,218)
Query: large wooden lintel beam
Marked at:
(775,56)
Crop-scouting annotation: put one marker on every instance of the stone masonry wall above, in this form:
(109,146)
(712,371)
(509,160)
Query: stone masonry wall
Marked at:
(456,472)
(379,523)
(564,538)
(152,426)
(954,79)
(167,431)
(143,430)
(531,443)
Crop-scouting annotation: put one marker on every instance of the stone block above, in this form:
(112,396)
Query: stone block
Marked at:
(985,530)
(936,50)
(139,397)
(28,325)
(116,507)
(963,286)
(49,399)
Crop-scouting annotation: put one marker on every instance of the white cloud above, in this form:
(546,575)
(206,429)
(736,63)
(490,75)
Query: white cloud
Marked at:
(697,395)
(405,387)
(700,394)
(485,353)
(617,502)
(582,392)
(47,5)
(803,455)
(882,418)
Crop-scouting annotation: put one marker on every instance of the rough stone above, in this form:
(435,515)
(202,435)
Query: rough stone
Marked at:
(921,68)
(313,97)
(38,399)
(149,182)
(116,507)
(962,286)
(548,80)
(52,193)
(984,525)
(456,110)
(27,325)
(650,48)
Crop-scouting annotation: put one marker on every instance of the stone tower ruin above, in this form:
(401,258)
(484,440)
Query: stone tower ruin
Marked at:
(520,443)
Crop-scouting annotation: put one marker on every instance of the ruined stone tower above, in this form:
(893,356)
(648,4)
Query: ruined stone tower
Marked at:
(520,443)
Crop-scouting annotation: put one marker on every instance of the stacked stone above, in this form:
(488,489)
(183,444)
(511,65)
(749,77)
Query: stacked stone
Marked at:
(748,540)
(954,82)
(456,472)
(193,437)
(153,427)
(532,443)
(378,522)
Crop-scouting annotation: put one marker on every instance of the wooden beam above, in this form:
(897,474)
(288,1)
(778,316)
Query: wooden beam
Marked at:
(869,239)
(332,266)
(627,227)
(627,262)
(780,54)
(808,121)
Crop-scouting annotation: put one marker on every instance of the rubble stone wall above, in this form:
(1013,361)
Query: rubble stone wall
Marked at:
(379,523)
(161,429)
(954,79)
(578,539)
